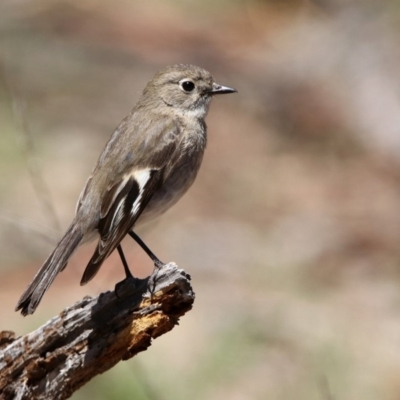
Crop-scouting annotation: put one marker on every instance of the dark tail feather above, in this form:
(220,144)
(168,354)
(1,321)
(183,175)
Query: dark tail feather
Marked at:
(94,265)
(54,264)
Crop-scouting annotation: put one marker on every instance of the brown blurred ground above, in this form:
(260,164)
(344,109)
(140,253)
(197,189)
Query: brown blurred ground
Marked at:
(291,232)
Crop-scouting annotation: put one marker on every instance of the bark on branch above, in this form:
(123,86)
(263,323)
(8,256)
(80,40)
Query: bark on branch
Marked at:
(92,336)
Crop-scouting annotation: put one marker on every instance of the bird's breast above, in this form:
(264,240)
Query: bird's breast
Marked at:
(180,173)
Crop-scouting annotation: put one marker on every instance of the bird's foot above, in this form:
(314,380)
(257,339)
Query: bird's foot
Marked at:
(127,285)
(158,264)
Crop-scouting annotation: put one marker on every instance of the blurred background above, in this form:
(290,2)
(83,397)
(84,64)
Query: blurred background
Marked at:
(291,232)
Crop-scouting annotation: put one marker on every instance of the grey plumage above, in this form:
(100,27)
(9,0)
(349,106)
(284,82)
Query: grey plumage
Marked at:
(149,162)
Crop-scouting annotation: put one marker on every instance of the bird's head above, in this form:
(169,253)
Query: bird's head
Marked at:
(186,88)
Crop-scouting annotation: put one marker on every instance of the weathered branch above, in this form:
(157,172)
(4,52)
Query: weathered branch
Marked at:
(92,336)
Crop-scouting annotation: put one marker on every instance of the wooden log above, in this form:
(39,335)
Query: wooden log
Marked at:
(92,336)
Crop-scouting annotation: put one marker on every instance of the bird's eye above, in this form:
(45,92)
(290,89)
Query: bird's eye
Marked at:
(187,85)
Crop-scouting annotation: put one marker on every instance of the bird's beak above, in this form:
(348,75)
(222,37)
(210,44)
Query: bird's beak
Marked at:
(219,89)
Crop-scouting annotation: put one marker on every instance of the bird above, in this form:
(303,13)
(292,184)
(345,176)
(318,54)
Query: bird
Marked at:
(148,164)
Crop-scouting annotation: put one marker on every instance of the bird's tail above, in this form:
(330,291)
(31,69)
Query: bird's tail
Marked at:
(54,264)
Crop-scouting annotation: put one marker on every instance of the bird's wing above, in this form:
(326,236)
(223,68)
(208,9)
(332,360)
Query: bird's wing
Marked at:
(124,201)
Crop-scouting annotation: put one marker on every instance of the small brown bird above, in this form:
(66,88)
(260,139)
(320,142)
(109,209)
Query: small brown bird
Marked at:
(149,162)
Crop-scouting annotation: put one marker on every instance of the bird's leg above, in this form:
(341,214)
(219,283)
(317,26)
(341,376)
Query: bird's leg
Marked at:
(154,258)
(126,285)
(124,263)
